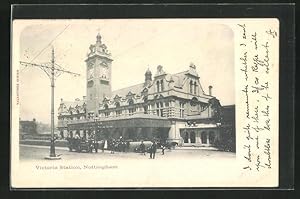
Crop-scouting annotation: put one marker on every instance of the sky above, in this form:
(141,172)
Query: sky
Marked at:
(135,44)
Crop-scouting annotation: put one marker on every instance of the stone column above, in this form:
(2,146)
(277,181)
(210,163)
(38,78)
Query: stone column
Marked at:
(198,137)
(189,137)
(207,138)
(172,132)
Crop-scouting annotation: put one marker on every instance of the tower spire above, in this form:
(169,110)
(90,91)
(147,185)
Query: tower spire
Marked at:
(98,38)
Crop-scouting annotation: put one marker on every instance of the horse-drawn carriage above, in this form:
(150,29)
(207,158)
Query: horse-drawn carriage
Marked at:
(80,145)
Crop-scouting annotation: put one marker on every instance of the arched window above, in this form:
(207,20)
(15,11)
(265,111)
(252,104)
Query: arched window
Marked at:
(117,104)
(157,86)
(212,137)
(204,137)
(130,102)
(191,86)
(161,85)
(105,106)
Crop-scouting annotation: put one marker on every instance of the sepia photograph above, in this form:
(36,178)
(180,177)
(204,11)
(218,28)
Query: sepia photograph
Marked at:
(142,103)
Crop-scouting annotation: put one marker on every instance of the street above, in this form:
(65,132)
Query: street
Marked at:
(179,167)
(28,152)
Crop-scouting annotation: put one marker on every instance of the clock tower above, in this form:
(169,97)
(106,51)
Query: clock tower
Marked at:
(98,75)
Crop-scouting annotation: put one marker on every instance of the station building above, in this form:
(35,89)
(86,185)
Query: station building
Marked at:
(168,107)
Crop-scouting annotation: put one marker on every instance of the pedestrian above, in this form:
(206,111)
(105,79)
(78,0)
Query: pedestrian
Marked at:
(142,148)
(102,145)
(153,150)
(113,146)
(77,142)
(124,146)
(95,143)
(127,145)
(105,145)
(163,147)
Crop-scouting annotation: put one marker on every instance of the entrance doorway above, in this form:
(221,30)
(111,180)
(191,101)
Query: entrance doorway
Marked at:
(186,137)
(212,137)
(204,137)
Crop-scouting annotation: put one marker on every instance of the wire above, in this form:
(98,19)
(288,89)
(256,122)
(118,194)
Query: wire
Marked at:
(49,43)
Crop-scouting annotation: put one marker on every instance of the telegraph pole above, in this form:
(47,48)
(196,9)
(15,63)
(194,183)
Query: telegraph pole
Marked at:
(52,146)
(53,71)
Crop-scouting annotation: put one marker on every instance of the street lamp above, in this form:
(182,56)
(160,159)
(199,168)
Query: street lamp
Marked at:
(95,120)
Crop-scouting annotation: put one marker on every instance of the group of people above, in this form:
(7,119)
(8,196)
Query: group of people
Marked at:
(116,145)
(91,143)
(152,149)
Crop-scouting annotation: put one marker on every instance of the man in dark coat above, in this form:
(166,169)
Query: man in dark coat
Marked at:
(142,148)
(153,150)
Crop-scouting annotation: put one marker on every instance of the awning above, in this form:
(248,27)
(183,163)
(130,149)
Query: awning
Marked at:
(121,123)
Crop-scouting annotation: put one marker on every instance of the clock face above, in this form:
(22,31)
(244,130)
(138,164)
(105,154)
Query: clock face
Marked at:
(104,73)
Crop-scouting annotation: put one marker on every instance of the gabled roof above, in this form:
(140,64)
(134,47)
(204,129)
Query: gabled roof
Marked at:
(179,78)
(135,89)
(74,103)
(67,107)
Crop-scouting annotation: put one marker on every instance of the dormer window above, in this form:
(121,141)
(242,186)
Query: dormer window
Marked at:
(131,110)
(157,86)
(130,102)
(105,106)
(195,88)
(162,85)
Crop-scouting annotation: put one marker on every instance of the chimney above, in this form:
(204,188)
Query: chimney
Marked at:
(148,77)
(210,90)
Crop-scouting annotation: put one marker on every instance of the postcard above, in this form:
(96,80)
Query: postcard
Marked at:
(145,103)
